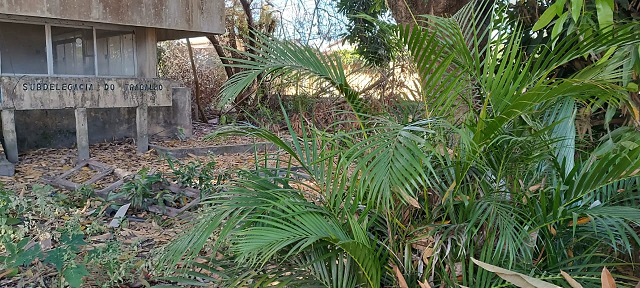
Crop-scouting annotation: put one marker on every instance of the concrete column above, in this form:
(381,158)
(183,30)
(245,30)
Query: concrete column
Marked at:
(82,134)
(181,110)
(9,133)
(142,128)
(146,52)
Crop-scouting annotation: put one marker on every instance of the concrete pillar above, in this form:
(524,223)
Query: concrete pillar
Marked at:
(9,133)
(146,52)
(181,110)
(82,134)
(142,128)
(6,168)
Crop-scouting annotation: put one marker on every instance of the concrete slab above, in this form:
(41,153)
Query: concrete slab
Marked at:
(216,150)
(37,93)
(204,17)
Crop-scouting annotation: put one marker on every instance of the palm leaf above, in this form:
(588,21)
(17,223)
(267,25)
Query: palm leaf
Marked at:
(274,58)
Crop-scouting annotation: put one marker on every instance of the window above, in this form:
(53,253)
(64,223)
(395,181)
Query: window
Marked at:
(39,49)
(72,51)
(115,53)
(23,48)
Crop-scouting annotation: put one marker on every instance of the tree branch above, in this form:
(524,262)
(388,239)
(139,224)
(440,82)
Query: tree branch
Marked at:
(221,55)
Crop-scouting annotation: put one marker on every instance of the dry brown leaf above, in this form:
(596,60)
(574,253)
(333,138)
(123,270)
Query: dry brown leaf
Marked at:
(426,254)
(413,202)
(424,285)
(103,237)
(581,220)
(638,285)
(607,279)
(515,278)
(535,187)
(401,281)
(446,194)
(572,282)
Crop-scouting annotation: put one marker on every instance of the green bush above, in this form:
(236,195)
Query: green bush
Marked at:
(493,174)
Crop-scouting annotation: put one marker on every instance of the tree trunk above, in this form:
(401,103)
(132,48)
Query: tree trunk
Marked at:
(203,117)
(221,55)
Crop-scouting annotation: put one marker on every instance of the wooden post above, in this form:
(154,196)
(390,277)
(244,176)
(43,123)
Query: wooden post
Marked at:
(9,133)
(142,128)
(82,134)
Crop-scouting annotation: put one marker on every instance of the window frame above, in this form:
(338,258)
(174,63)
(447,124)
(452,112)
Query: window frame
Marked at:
(47,44)
(49,47)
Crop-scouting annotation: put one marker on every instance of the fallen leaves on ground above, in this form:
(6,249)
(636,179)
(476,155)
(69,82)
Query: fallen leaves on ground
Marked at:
(148,232)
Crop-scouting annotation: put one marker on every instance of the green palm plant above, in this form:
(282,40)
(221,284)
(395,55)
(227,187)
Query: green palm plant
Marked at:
(411,204)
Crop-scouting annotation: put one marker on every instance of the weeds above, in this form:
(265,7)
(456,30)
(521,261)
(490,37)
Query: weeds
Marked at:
(67,252)
(139,191)
(196,174)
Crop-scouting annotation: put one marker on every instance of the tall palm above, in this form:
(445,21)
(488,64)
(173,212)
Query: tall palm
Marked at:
(402,203)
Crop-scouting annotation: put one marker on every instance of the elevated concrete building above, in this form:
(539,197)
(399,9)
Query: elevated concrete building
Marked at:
(74,72)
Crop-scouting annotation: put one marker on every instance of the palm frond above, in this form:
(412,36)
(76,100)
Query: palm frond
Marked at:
(275,58)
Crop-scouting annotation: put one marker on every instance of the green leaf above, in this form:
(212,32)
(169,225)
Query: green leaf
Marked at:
(23,243)
(629,145)
(73,275)
(557,28)
(74,241)
(576,9)
(623,212)
(545,18)
(55,257)
(25,258)
(560,7)
(611,111)
(605,14)
(11,248)
(606,56)
(12,221)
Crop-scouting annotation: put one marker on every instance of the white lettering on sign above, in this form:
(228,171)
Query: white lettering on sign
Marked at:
(32,93)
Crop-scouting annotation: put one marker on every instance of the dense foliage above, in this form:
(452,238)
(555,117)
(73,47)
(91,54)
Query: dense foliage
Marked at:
(367,30)
(490,172)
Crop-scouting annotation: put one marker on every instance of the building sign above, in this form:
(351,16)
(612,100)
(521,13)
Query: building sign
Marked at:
(31,93)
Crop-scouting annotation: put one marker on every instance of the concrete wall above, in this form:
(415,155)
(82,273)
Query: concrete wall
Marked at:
(185,15)
(57,128)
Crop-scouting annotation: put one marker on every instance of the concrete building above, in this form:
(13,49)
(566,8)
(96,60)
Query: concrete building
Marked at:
(74,72)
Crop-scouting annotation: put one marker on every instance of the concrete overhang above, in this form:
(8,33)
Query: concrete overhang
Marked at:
(174,18)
